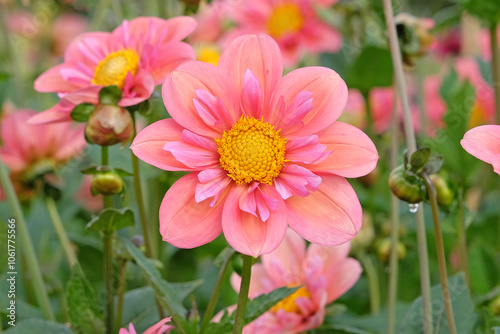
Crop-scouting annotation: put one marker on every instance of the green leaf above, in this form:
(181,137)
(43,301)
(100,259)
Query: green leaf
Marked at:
(163,289)
(372,68)
(110,95)
(112,219)
(82,112)
(38,326)
(190,327)
(4,76)
(419,158)
(122,172)
(84,315)
(434,164)
(144,108)
(257,306)
(463,309)
(222,256)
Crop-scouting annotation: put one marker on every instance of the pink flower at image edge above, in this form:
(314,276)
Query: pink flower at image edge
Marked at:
(158,328)
(483,142)
(264,152)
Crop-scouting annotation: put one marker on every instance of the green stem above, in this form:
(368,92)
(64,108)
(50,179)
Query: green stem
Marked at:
(440,254)
(393,259)
(215,294)
(61,232)
(107,240)
(462,238)
(425,282)
(495,62)
(371,274)
(421,98)
(140,202)
(122,265)
(243,295)
(104,155)
(38,285)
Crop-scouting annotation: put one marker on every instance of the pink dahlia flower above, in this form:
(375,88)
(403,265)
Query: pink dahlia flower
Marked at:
(29,150)
(294,24)
(326,273)
(64,29)
(355,110)
(483,110)
(483,142)
(136,56)
(265,152)
(158,328)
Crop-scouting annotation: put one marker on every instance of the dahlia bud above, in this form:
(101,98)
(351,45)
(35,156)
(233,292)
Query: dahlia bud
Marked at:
(407,187)
(444,193)
(414,36)
(109,125)
(106,183)
(384,250)
(494,306)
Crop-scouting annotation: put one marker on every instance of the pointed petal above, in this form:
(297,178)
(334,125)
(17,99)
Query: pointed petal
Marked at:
(185,223)
(248,234)
(172,55)
(483,142)
(51,81)
(306,150)
(329,94)
(353,152)
(251,96)
(296,180)
(329,216)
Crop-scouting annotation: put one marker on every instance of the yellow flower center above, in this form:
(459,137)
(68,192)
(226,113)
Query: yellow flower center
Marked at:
(286,18)
(288,304)
(209,54)
(252,151)
(113,69)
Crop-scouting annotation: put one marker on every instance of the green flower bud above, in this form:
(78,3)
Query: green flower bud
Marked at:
(384,250)
(106,183)
(494,306)
(414,36)
(444,193)
(109,125)
(407,187)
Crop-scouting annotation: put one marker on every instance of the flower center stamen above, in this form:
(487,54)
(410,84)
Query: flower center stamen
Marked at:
(288,304)
(113,69)
(252,151)
(286,18)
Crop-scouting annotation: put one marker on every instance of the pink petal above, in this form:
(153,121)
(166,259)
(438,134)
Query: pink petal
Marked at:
(149,143)
(137,88)
(329,216)
(51,115)
(258,53)
(483,142)
(292,117)
(179,90)
(52,81)
(251,96)
(329,94)
(174,29)
(296,180)
(89,48)
(212,183)
(185,223)
(248,234)
(211,109)
(320,37)
(284,264)
(172,55)
(306,150)
(193,156)
(353,152)
(159,328)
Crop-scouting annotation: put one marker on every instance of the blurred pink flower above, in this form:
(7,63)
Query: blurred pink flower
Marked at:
(483,110)
(485,43)
(355,110)
(136,56)
(447,43)
(483,142)
(210,18)
(265,152)
(325,272)
(294,24)
(31,149)
(64,29)
(85,198)
(158,328)
(434,104)
(23,24)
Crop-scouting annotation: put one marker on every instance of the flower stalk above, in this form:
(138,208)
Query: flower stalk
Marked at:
(462,238)
(412,146)
(122,265)
(215,294)
(440,254)
(371,273)
(36,274)
(61,232)
(239,319)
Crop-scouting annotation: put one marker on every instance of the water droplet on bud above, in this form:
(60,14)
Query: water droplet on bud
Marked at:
(413,207)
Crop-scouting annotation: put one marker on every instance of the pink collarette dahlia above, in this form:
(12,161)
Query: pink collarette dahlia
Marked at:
(325,273)
(294,24)
(265,152)
(31,151)
(483,142)
(136,56)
